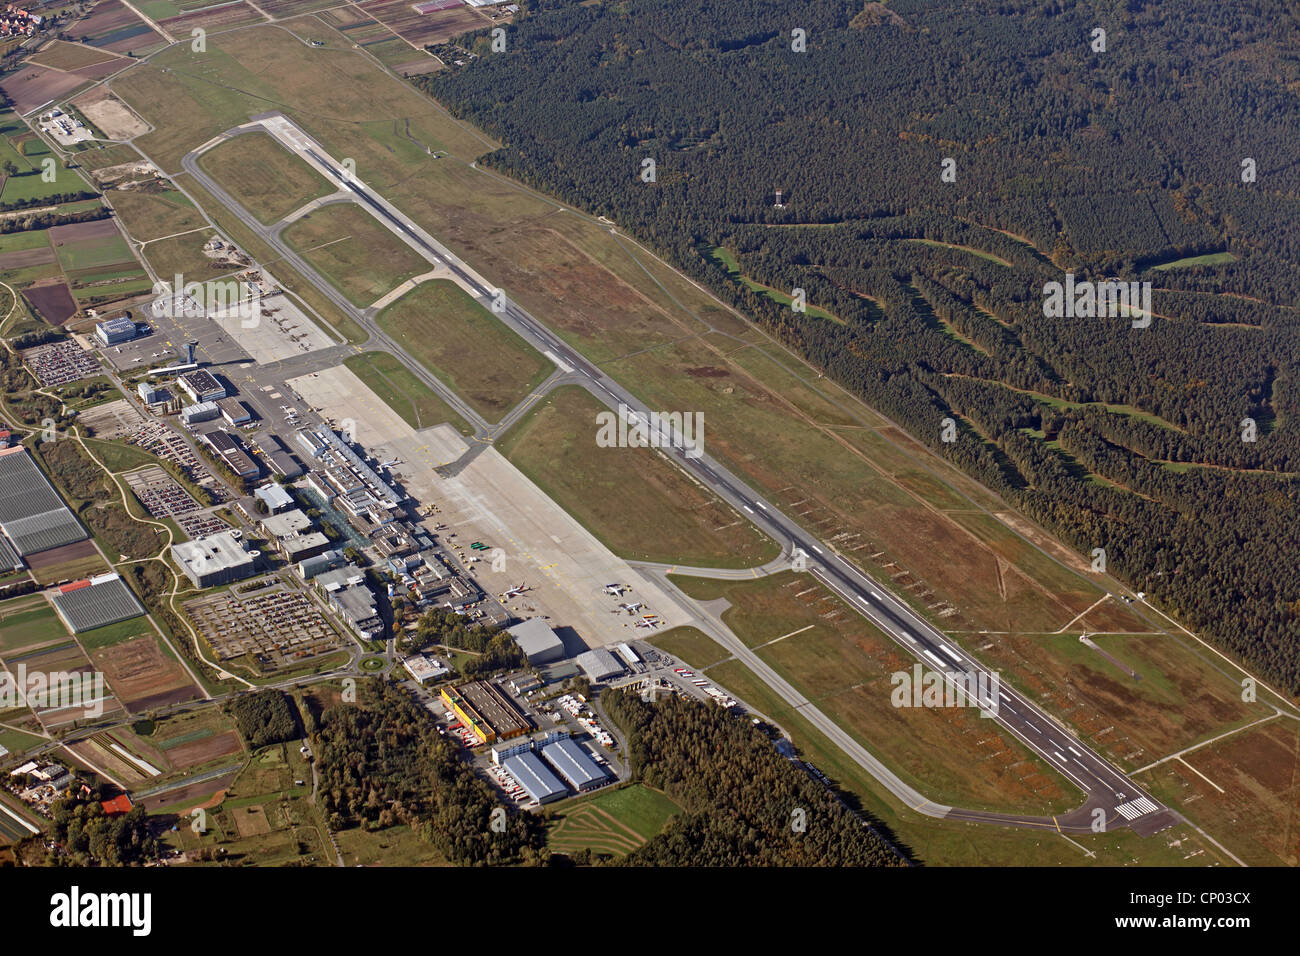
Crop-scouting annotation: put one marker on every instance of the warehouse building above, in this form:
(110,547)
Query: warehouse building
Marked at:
(96,602)
(538,782)
(234,411)
(32,515)
(232,453)
(115,331)
(216,559)
(599,664)
(200,412)
(574,765)
(356,605)
(540,644)
(488,713)
(202,385)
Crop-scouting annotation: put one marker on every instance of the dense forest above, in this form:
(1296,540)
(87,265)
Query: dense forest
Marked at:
(86,836)
(745,804)
(941,163)
(382,763)
(265,717)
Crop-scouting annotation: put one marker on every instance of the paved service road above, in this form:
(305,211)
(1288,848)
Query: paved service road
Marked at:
(1110,796)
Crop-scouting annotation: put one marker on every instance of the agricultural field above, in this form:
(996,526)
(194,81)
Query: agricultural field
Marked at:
(423,29)
(349,247)
(31,87)
(114,26)
(264,818)
(462,343)
(26,152)
(196,739)
(843,663)
(29,622)
(263,176)
(65,658)
(142,672)
(61,55)
(70,562)
(396,385)
(612,823)
(97,261)
(674,520)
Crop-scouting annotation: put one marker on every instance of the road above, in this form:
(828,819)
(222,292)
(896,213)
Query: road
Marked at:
(1120,801)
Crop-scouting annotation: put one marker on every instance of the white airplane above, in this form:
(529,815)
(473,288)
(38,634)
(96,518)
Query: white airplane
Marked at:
(616,589)
(516,590)
(650,624)
(631,608)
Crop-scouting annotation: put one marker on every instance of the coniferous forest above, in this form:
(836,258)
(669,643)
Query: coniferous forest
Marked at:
(1020,145)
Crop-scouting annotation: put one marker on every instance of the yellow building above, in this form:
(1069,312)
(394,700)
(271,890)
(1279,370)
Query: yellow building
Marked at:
(468,715)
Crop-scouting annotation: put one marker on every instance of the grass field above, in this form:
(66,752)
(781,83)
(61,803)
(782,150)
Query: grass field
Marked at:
(845,665)
(675,520)
(60,55)
(1210,259)
(418,404)
(612,823)
(29,625)
(348,246)
(266,179)
(153,214)
(463,344)
(728,261)
(945,843)
(112,634)
(690,645)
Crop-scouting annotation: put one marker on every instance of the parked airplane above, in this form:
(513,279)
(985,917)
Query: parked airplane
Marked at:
(520,589)
(616,589)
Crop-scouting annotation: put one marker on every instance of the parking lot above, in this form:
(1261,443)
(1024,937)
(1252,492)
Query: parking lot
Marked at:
(61,362)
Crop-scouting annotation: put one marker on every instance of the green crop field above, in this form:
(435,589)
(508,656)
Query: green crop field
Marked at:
(112,634)
(418,404)
(613,823)
(93,253)
(462,343)
(26,628)
(675,521)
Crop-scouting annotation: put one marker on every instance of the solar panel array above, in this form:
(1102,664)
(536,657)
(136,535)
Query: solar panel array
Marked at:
(98,605)
(31,512)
